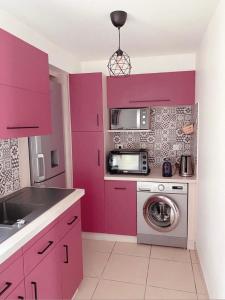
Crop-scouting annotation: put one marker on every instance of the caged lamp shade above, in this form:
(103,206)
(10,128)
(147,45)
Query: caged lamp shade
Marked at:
(119,63)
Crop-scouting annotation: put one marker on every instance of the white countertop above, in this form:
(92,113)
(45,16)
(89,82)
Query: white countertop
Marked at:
(155,175)
(20,238)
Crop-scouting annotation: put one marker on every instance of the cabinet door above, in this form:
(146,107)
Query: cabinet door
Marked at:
(11,277)
(24,113)
(22,65)
(72,270)
(18,293)
(140,90)
(88,172)
(45,281)
(86,102)
(121,207)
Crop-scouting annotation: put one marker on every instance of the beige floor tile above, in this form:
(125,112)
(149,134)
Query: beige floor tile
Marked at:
(164,294)
(118,290)
(132,249)
(94,263)
(194,257)
(124,268)
(169,253)
(97,245)
(199,281)
(171,274)
(203,297)
(86,288)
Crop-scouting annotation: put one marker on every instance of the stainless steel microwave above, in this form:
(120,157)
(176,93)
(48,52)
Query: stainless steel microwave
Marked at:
(128,162)
(129,118)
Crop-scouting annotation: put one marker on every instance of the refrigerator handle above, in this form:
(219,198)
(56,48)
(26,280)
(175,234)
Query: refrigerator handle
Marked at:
(40,167)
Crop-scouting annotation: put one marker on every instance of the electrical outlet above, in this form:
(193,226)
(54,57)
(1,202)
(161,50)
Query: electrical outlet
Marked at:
(119,146)
(176,147)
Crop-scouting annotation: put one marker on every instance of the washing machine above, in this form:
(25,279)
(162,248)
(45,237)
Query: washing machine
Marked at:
(162,213)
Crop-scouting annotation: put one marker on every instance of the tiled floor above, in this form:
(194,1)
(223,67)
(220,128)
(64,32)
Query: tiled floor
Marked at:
(130,271)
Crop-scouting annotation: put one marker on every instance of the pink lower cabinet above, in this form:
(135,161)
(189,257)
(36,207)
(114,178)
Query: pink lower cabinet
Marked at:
(88,170)
(44,282)
(72,269)
(18,293)
(121,207)
(10,277)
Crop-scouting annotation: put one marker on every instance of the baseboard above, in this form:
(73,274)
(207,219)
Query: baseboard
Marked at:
(191,245)
(109,237)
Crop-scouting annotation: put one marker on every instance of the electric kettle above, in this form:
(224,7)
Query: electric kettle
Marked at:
(186,166)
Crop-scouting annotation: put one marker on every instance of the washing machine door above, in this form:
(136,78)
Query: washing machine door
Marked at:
(161,213)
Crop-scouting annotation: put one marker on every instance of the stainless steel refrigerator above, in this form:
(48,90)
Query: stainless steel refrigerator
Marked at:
(47,152)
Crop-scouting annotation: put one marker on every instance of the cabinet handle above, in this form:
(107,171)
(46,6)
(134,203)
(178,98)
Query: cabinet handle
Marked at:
(97,120)
(5,287)
(21,127)
(72,221)
(67,254)
(120,188)
(43,251)
(153,100)
(35,289)
(20,297)
(99,158)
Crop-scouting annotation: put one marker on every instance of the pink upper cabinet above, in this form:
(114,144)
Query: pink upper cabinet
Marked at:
(140,90)
(86,102)
(23,112)
(22,65)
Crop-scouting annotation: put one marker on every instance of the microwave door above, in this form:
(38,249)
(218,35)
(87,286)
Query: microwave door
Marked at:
(127,119)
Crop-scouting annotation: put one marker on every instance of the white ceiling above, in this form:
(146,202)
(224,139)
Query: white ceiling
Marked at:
(83,27)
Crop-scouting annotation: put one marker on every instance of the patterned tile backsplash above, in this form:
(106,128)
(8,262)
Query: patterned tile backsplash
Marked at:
(166,131)
(9,166)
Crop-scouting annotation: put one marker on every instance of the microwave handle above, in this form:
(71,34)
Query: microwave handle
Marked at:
(138,120)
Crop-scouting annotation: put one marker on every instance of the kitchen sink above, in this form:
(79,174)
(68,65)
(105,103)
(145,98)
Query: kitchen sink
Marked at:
(11,212)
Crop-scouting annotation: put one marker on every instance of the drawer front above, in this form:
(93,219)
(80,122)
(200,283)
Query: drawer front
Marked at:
(38,236)
(70,218)
(40,249)
(5,265)
(18,293)
(10,278)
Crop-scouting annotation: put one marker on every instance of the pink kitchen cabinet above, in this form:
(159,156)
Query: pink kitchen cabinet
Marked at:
(88,172)
(44,281)
(11,277)
(22,65)
(18,293)
(86,102)
(121,207)
(72,269)
(141,90)
(23,112)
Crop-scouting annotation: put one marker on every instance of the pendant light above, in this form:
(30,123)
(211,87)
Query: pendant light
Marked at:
(119,63)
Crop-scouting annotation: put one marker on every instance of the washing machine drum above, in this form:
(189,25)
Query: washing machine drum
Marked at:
(161,213)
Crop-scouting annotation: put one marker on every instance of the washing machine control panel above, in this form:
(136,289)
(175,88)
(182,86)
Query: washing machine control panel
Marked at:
(162,187)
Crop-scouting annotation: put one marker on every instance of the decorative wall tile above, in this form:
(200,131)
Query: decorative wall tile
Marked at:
(166,131)
(9,166)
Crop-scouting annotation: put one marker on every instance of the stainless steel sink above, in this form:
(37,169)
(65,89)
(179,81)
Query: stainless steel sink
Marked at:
(11,212)
(26,204)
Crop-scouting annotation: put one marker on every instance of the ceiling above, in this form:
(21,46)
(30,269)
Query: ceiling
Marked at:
(83,27)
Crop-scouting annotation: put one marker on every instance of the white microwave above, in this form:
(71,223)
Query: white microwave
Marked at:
(129,118)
